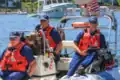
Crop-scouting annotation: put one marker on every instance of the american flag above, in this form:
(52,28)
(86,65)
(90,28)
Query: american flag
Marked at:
(93,6)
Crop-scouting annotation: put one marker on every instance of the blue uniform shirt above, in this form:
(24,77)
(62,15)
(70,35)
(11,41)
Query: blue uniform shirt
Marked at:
(102,39)
(55,36)
(26,51)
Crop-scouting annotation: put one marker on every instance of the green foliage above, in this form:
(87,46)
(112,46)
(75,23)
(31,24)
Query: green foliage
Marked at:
(31,7)
(73,1)
(118,2)
(107,4)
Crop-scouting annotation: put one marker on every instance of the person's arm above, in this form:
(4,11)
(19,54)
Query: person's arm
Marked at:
(32,67)
(82,53)
(76,42)
(27,52)
(57,39)
(76,48)
(58,47)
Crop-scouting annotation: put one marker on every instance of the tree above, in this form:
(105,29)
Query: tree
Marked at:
(73,1)
(118,2)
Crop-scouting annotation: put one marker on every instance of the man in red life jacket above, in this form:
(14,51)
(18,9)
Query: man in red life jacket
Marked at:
(17,60)
(90,37)
(52,35)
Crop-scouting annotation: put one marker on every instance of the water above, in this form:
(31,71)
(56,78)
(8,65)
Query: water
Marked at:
(16,22)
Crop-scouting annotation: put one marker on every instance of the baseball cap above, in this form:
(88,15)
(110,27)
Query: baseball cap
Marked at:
(93,20)
(44,17)
(14,35)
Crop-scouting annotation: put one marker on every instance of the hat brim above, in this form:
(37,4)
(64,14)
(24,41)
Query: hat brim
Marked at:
(93,22)
(43,19)
(13,37)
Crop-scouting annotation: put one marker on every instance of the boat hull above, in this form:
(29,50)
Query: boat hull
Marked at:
(113,74)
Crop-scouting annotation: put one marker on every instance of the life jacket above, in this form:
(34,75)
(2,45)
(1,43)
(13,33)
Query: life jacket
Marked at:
(48,36)
(89,41)
(13,60)
(109,65)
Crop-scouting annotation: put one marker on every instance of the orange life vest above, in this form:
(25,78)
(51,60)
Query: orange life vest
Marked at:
(13,60)
(48,36)
(87,40)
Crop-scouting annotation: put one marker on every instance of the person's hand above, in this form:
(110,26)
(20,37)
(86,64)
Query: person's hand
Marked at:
(84,52)
(57,56)
(29,74)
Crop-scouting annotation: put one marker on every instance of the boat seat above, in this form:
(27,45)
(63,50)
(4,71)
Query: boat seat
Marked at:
(67,44)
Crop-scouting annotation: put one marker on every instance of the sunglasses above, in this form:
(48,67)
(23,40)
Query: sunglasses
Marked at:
(13,38)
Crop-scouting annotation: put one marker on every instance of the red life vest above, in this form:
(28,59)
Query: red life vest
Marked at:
(87,40)
(13,60)
(48,36)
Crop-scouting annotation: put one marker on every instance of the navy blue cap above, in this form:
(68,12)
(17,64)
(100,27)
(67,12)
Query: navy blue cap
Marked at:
(44,17)
(14,35)
(93,20)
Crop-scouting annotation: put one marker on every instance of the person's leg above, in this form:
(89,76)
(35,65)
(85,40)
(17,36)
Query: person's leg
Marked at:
(16,76)
(74,65)
(88,59)
(4,74)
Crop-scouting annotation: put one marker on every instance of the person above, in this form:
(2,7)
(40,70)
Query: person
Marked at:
(52,36)
(38,27)
(17,60)
(90,37)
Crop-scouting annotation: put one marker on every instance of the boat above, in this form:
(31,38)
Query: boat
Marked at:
(110,74)
(56,10)
(47,69)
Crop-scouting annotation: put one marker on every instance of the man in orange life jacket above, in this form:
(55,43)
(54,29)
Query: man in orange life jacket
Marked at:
(17,60)
(90,37)
(52,36)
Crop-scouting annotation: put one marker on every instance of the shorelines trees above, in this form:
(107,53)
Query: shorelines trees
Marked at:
(118,2)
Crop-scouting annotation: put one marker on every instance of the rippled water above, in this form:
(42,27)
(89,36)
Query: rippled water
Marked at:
(23,22)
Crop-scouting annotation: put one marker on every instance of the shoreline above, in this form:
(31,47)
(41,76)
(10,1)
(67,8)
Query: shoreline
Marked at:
(15,12)
(4,13)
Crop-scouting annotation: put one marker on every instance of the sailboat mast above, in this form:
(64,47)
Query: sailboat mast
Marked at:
(38,7)
(63,1)
(66,0)
(44,2)
(57,1)
(51,1)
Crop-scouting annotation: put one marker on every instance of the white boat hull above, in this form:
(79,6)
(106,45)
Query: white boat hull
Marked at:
(51,14)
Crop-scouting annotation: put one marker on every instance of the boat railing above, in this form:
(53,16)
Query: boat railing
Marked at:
(109,29)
